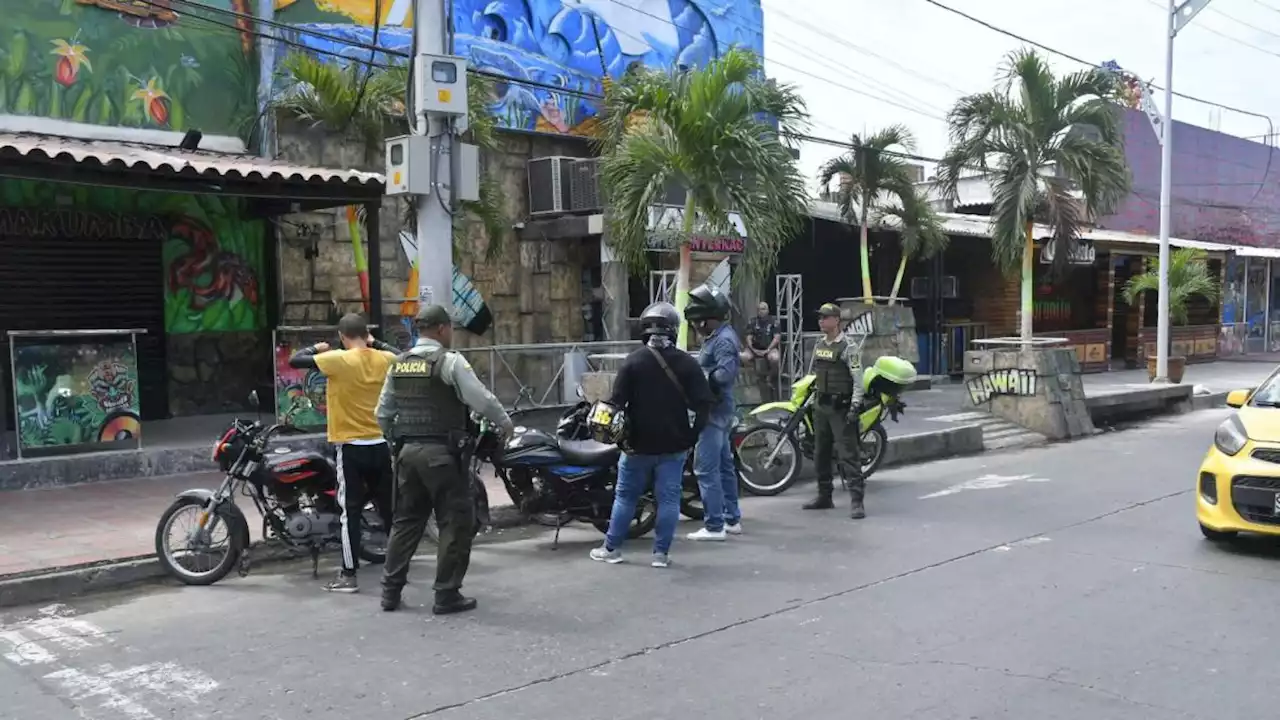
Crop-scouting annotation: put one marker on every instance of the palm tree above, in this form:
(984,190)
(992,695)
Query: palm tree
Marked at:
(1053,151)
(866,173)
(371,103)
(1189,277)
(920,229)
(706,131)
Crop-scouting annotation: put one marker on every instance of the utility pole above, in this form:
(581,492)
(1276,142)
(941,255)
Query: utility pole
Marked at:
(431,164)
(1180,15)
(435,223)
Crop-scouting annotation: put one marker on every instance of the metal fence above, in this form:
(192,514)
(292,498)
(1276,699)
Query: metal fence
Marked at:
(541,375)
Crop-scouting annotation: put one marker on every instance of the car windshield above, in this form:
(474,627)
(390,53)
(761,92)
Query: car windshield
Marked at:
(1268,394)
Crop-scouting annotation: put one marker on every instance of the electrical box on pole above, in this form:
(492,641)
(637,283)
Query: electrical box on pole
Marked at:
(445,85)
(420,165)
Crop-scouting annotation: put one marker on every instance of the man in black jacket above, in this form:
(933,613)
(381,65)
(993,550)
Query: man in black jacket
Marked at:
(667,400)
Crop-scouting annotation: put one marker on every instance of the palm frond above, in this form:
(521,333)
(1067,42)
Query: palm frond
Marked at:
(1189,277)
(921,231)
(706,131)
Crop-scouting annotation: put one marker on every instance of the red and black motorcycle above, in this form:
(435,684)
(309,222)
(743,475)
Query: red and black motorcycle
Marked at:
(295,492)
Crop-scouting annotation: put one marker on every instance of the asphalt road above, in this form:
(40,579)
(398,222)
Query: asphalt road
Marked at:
(1060,582)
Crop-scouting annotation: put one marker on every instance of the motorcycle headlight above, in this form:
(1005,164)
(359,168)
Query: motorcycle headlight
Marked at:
(1230,437)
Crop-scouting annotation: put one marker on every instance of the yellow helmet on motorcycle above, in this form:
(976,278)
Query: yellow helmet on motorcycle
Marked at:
(888,375)
(607,423)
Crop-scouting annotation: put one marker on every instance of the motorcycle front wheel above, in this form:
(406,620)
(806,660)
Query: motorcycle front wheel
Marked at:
(207,555)
(757,443)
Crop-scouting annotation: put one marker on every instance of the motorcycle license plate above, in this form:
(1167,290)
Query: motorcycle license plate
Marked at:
(602,414)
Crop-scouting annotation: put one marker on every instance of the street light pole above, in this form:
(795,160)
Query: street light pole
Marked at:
(1179,16)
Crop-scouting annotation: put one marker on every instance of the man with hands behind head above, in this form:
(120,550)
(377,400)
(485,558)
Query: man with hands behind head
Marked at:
(355,376)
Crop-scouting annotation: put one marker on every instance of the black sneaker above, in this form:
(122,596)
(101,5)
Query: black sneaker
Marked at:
(453,602)
(343,583)
(390,601)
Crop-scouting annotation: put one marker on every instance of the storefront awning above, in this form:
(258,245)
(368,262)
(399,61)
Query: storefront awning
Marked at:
(30,156)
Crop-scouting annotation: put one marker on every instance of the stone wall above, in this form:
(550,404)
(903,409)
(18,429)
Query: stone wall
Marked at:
(533,286)
(213,373)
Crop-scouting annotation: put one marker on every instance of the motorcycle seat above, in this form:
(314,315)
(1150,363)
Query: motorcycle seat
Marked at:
(589,452)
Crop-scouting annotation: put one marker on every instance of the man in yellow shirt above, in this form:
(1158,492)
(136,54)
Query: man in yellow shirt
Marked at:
(355,377)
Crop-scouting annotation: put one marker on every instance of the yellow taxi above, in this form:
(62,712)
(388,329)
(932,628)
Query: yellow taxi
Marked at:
(1238,489)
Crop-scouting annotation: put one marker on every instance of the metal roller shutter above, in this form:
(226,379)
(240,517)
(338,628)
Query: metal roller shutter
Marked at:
(82,283)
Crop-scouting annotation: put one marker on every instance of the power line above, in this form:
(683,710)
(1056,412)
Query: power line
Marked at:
(1055,51)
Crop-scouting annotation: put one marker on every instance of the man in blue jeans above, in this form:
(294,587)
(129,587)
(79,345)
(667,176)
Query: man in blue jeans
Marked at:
(666,399)
(708,311)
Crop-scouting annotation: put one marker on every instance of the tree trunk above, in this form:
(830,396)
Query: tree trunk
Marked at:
(682,274)
(897,281)
(1028,268)
(864,249)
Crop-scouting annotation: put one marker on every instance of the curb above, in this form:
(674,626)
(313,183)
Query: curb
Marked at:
(76,580)
(62,583)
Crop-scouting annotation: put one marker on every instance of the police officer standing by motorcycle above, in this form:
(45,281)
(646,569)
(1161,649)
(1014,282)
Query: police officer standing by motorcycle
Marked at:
(837,362)
(424,410)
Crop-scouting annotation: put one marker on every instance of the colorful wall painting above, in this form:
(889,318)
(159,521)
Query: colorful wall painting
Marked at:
(213,257)
(76,393)
(292,383)
(128,63)
(569,44)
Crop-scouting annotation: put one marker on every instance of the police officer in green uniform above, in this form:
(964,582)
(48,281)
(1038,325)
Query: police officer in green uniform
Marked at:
(423,410)
(838,364)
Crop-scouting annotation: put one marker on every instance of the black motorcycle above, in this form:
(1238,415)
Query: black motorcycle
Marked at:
(295,492)
(573,426)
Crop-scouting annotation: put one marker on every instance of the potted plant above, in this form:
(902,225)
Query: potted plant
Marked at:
(1188,277)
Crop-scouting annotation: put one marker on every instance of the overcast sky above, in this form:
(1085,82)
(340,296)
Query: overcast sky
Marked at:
(920,56)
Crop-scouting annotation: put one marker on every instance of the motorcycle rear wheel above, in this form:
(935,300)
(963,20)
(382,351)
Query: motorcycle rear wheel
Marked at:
(166,554)
(644,522)
(764,434)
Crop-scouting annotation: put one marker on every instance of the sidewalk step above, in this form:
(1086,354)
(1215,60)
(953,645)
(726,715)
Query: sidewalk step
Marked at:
(997,434)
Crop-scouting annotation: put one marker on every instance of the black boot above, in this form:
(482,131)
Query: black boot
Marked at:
(452,601)
(822,501)
(856,510)
(390,600)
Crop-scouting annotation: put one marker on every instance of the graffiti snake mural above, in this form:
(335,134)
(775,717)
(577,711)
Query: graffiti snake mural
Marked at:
(569,44)
(208,272)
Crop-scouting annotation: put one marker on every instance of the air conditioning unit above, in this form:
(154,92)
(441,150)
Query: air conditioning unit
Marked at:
(549,185)
(920,288)
(584,186)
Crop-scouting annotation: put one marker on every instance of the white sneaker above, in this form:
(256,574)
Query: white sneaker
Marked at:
(661,560)
(735,529)
(604,554)
(705,535)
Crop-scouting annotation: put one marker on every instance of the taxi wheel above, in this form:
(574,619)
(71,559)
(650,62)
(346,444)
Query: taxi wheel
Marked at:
(1217,535)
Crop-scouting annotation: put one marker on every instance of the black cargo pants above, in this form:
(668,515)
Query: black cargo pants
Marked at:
(430,479)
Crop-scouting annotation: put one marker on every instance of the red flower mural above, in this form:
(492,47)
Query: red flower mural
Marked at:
(155,102)
(71,57)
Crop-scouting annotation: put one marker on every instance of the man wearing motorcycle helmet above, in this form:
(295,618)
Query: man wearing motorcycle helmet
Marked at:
(708,313)
(837,361)
(659,387)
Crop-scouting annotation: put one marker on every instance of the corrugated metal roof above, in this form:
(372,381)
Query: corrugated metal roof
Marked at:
(156,158)
(980,226)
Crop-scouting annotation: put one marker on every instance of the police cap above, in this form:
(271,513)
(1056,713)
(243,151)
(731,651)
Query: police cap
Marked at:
(432,316)
(829,310)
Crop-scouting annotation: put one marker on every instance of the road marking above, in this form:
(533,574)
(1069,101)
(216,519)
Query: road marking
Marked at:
(986,482)
(119,694)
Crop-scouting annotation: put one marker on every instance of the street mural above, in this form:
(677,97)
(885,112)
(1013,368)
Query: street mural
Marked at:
(128,63)
(293,383)
(569,45)
(470,311)
(1011,381)
(76,393)
(213,258)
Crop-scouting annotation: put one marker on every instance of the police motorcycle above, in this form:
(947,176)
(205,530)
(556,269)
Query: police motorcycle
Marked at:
(570,479)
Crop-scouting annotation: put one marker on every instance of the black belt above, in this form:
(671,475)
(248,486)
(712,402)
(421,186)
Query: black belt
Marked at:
(441,438)
(834,400)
